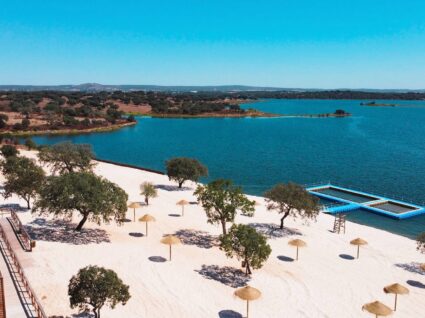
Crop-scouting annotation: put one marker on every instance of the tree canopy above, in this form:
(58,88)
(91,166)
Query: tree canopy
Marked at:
(183,169)
(93,287)
(67,157)
(292,199)
(23,177)
(95,198)
(221,200)
(246,244)
(148,190)
(9,151)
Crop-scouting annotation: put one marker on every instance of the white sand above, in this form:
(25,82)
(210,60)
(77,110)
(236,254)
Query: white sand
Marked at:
(320,284)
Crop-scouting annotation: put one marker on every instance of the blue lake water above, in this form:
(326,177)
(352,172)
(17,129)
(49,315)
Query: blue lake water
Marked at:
(379,149)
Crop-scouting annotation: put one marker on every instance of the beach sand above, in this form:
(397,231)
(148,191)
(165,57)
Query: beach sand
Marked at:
(200,280)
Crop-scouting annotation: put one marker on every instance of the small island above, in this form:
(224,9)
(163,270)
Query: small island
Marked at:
(378,104)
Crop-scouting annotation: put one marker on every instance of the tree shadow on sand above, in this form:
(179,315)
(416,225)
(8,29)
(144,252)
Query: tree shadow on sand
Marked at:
(198,238)
(411,267)
(168,187)
(271,230)
(63,232)
(229,314)
(415,283)
(226,275)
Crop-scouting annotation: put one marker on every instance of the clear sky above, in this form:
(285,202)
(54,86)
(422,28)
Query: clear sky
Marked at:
(296,43)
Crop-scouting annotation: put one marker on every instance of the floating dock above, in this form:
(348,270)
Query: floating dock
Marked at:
(336,199)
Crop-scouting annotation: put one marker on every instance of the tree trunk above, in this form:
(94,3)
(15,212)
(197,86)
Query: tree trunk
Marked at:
(147,200)
(28,203)
(247,268)
(181,184)
(80,225)
(283,219)
(223,226)
(95,313)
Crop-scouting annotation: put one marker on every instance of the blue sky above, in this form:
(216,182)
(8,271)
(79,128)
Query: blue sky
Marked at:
(310,43)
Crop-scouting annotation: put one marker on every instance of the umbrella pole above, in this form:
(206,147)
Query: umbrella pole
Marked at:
(182,210)
(247,308)
(170,252)
(395,303)
(358,250)
(146,228)
(134,215)
(297,253)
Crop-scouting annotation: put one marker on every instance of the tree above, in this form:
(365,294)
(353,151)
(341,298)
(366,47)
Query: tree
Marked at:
(148,190)
(3,121)
(420,242)
(93,197)
(246,244)
(67,157)
(23,177)
(292,199)
(9,151)
(183,169)
(221,200)
(30,144)
(93,287)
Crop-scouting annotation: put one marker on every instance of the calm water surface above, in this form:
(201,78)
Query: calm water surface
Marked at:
(379,149)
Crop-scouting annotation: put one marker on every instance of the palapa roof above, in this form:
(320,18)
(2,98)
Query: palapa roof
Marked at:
(134,205)
(147,218)
(247,293)
(170,240)
(297,243)
(358,241)
(396,289)
(377,308)
(182,202)
(422,266)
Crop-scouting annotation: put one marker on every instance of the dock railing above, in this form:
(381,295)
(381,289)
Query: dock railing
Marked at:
(20,271)
(22,234)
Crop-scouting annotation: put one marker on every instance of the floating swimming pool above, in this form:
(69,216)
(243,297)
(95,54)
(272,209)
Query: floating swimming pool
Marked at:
(336,199)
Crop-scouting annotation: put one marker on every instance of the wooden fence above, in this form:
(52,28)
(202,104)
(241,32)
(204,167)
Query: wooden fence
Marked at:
(20,272)
(2,298)
(21,233)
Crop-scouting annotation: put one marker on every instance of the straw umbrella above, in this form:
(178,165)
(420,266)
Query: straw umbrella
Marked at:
(377,308)
(422,266)
(358,242)
(134,206)
(147,218)
(170,240)
(247,293)
(396,289)
(297,243)
(182,203)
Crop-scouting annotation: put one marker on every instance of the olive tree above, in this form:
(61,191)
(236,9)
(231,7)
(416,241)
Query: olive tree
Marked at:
(148,190)
(221,200)
(183,169)
(247,245)
(23,177)
(93,287)
(95,198)
(67,157)
(292,199)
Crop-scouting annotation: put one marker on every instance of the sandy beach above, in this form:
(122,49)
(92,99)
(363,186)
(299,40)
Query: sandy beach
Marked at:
(200,280)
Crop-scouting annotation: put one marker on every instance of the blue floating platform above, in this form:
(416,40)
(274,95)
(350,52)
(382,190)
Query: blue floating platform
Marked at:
(337,199)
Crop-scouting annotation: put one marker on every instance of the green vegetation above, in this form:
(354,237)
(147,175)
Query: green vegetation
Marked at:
(420,242)
(67,157)
(23,178)
(292,199)
(148,190)
(30,144)
(9,151)
(247,245)
(93,287)
(183,169)
(221,200)
(93,197)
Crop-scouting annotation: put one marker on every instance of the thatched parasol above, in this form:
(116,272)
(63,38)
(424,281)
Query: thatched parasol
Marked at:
(170,240)
(396,289)
(358,242)
(134,206)
(422,266)
(147,218)
(182,203)
(247,293)
(297,243)
(377,308)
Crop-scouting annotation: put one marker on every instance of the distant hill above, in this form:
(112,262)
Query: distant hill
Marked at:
(95,87)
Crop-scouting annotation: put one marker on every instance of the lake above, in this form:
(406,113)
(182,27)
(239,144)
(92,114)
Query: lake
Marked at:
(379,149)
